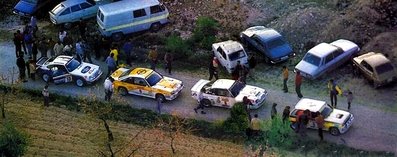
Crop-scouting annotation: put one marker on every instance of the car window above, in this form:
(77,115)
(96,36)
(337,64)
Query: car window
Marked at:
(328,58)
(100,15)
(58,71)
(75,8)
(384,68)
(326,111)
(92,2)
(222,92)
(275,43)
(139,81)
(312,59)
(337,53)
(129,80)
(367,66)
(220,50)
(72,65)
(31,1)
(67,11)
(236,55)
(85,5)
(154,78)
(139,13)
(156,9)
(236,88)
(258,41)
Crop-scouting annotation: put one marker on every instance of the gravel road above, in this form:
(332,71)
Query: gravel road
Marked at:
(372,129)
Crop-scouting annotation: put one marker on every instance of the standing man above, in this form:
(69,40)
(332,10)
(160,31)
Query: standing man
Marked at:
(247,104)
(127,48)
(43,47)
(213,69)
(80,50)
(115,53)
(255,125)
(153,58)
(32,69)
(108,85)
(51,45)
(21,67)
(303,121)
(285,79)
(320,124)
(286,113)
(168,62)
(159,105)
(111,64)
(28,40)
(82,28)
(237,71)
(18,44)
(46,96)
(349,98)
(334,90)
(298,83)
(58,48)
(273,113)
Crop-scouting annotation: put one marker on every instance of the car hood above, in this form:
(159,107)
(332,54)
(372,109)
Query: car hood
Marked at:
(85,70)
(199,85)
(307,68)
(337,116)
(281,51)
(251,92)
(168,84)
(115,75)
(25,7)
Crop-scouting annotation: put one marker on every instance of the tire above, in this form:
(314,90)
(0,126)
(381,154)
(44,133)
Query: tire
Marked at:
(160,97)
(334,131)
(117,36)
(67,25)
(206,102)
(123,91)
(45,77)
(155,27)
(80,82)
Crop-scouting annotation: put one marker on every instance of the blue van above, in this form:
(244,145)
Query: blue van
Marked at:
(29,7)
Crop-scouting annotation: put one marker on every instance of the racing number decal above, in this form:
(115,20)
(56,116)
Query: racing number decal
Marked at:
(141,71)
(223,100)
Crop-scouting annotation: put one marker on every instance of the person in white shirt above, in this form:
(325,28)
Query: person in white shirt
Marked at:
(108,85)
(62,34)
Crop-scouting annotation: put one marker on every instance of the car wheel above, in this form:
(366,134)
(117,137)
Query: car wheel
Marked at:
(123,91)
(160,97)
(334,131)
(45,77)
(80,82)
(206,102)
(67,25)
(155,27)
(117,36)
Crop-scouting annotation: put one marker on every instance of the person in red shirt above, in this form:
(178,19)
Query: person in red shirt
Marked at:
(298,83)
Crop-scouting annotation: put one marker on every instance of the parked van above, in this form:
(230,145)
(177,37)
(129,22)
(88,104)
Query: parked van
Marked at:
(128,16)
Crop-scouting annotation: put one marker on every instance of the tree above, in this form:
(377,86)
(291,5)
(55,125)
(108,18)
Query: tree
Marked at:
(12,142)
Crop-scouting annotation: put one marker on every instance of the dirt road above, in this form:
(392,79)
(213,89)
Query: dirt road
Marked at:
(372,129)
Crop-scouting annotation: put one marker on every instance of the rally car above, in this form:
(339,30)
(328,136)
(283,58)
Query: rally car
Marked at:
(225,93)
(336,121)
(146,82)
(64,69)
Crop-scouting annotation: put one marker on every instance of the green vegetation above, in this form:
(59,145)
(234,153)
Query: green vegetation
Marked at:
(238,122)
(205,31)
(13,143)
(177,46)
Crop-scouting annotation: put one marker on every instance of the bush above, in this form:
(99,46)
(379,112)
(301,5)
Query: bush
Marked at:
(12,142)
(238,122)
(177,46)
(205,31)
(279,134)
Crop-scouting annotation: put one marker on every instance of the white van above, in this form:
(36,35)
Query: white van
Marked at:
(128,16)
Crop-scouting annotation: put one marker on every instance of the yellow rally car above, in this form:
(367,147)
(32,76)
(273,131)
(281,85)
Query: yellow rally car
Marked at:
(336,121)
(146,82)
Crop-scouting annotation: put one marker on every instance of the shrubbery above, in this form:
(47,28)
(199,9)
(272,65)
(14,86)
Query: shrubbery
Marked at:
(238,122)
(12,142)
(176,45)
(205,31)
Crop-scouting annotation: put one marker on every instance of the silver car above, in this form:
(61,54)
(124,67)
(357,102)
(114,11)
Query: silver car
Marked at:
(325,57)
(70,11)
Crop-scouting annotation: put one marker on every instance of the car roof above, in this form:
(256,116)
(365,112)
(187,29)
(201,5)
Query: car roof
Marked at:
(141,72)
(120,6)
(223,84)
(376,59)
(323,49)
(268,34)
(310,104)
(69,3)
(61,60)
(229,46)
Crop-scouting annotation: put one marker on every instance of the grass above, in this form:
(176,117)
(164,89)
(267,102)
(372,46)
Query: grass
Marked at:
(56,131)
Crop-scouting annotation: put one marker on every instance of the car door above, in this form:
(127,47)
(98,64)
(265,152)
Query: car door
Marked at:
(142,88)
(127,83)
(64,16)
(60,75)
(76,14)
(367,70)
(139,16)
(221,56)
(327,64)
(223,98)
(87,9)
(257,42)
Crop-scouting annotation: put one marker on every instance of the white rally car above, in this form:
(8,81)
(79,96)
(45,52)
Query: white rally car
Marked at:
(64,69)
(225,93)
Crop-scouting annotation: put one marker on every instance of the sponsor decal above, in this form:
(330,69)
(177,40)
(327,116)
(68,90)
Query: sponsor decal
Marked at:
(85,69)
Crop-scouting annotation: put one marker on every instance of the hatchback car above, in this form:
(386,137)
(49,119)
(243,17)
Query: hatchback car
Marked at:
(376,68)
(226,93)
(269,42)
(336,121)
(325,57)
(70,11)
(228,53)
(146,82)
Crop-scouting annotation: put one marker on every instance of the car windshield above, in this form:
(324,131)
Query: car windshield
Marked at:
(154,78)
(384,68)
(72,65)
(312,59)
(125,73)
(326,111)
(236,88)
(58,9)
(92,2)
(236,55)
(274,43)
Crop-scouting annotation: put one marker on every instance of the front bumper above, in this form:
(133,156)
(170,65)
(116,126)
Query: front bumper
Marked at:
(347,125)
(260,103)
(99,74)
(175,95)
